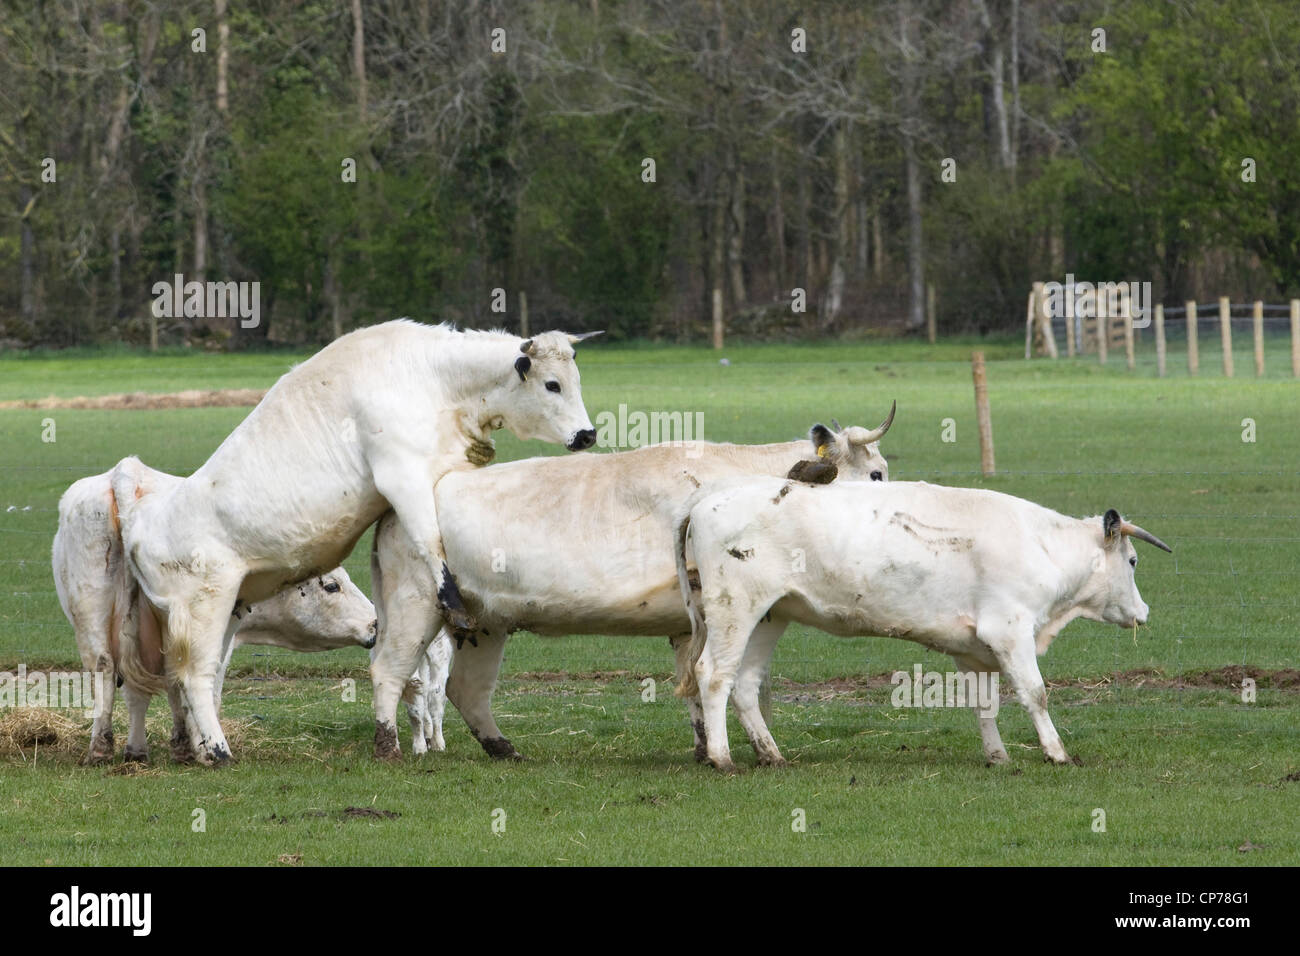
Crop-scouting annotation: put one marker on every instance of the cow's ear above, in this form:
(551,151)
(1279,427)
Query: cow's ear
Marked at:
(822,438)
(1110,523)
(522,365)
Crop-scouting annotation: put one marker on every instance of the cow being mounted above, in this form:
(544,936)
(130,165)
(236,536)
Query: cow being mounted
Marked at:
(983,576)
(370,422)
(595,559)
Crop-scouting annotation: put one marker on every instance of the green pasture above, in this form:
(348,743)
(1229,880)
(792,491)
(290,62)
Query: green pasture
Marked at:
(1184,774)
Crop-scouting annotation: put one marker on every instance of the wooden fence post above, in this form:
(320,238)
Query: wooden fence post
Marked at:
(523,315)
(1129,359)
(717,317)
(1069,331)
(1225,333)
(1193,344)
(1029,323)
(1103,332)
(1160,339)
(929,312)
(1259,338)
(982,413)
(1295,338)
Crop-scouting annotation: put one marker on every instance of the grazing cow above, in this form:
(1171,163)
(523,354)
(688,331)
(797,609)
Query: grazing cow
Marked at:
(577,545)
(983,576)
(370,422)
(98,596)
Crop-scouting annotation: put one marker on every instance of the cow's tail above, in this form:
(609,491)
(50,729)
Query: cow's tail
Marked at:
(681,546)
(138,641)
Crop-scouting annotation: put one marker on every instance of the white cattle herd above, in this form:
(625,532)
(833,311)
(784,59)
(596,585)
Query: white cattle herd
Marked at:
(715,546)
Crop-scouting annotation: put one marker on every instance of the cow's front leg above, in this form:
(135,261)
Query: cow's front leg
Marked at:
(137,744)
(681,664)
(1016,658)
(747,695)
(473,677)
(411,496)
(994,751)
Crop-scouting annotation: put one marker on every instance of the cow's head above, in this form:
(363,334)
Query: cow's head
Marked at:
(319,614)
(544,399)
(855,451)
(1117,566)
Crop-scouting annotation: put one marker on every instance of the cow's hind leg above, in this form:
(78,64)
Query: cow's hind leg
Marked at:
(681,663)
(1016,658)
(137,744)
(182,750)
(748,691)
(729,628)
(101,729)
(473,677)
(413,698)
(195,650)
(435,692)
(994,751)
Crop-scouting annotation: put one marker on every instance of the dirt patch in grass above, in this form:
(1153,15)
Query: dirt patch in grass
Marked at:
(131,401)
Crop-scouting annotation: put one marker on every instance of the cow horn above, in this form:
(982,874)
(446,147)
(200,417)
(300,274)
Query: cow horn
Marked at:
(528,346)
(860,436)
(575,339)
(1133,531)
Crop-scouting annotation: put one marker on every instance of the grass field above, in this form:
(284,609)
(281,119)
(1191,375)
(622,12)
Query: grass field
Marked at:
(1185,771)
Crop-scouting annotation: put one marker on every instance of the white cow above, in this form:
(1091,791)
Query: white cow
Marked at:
(370,422)
(576,545)
(99,598)
(983,576)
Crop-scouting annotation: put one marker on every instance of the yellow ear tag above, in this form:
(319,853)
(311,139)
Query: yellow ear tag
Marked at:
(821,451)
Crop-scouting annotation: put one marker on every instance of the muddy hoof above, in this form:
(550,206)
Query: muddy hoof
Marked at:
(701,753)
(813,472)
(460,637)
(386,745)
(95,758)
(459,619)
(998,759)
(135,756)
(501,749)
(772,762)
(182,750)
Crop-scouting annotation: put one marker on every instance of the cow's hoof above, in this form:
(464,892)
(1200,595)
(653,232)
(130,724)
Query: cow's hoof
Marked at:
(498,748)
(701,753)
(998,759)
(458,619)
(95,758)
(217,755)
(724,766)
(777,761)
(135,756)
(460,637)
(1064,760)
(181,749)
(386,745)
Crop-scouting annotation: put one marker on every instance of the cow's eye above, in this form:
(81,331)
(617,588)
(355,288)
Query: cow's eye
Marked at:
(877,476)
(553,387)
(1133,562)
(331,587)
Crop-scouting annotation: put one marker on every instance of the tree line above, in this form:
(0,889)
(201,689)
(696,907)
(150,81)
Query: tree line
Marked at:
(813,168)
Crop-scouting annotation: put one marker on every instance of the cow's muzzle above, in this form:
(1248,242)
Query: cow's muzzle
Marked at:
(369,642)
(582,440)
